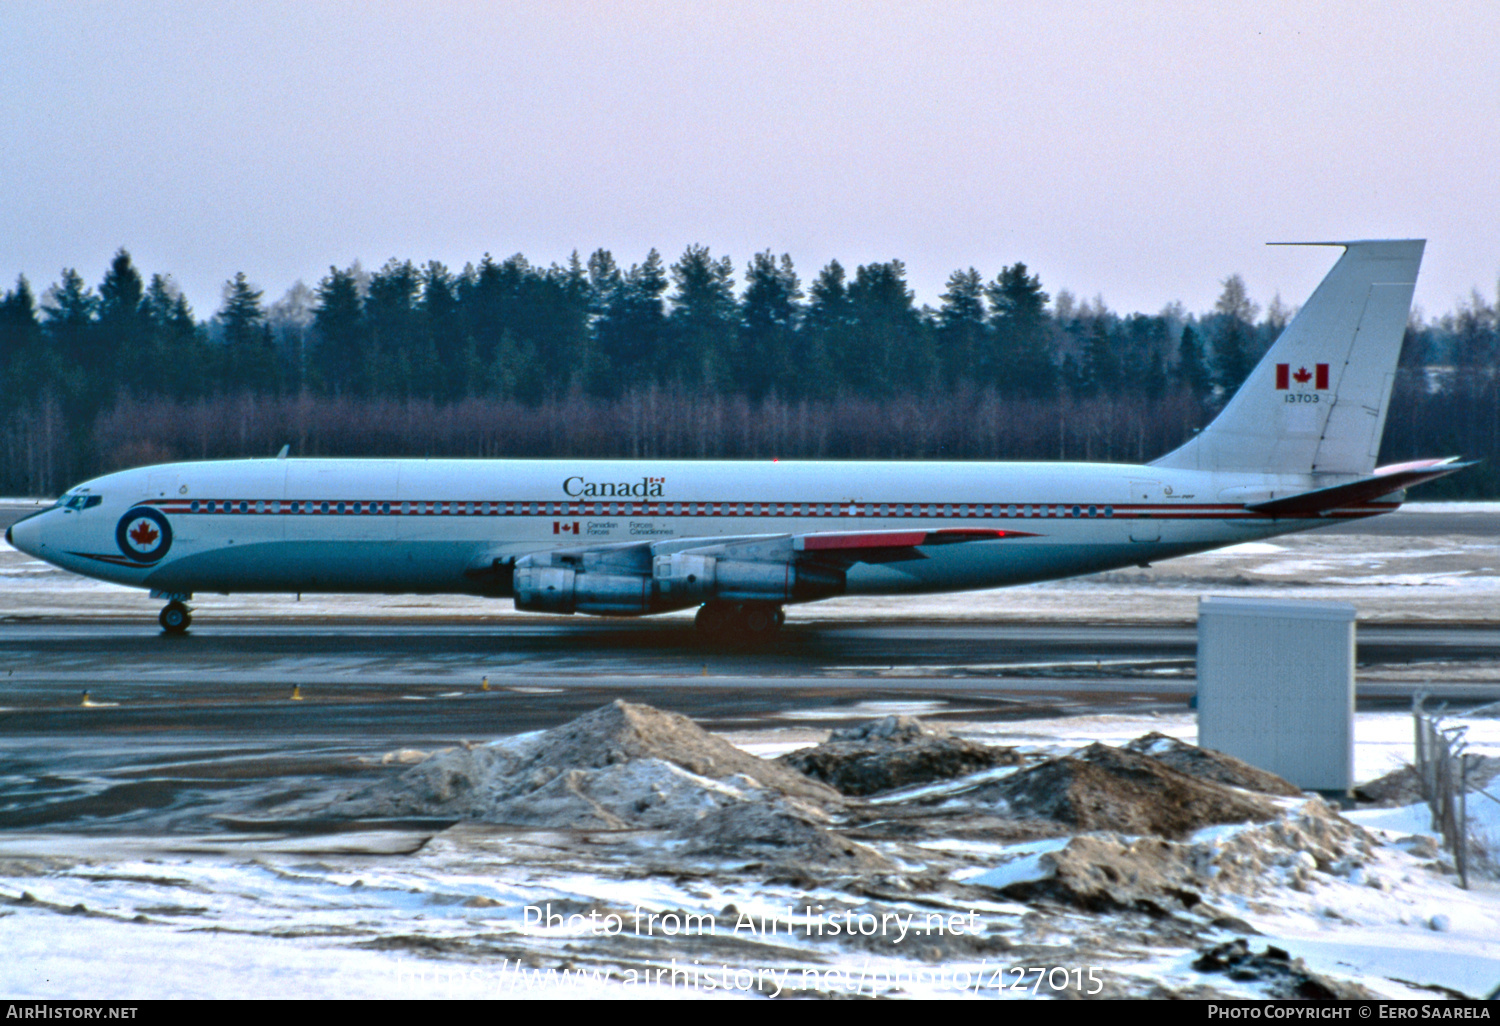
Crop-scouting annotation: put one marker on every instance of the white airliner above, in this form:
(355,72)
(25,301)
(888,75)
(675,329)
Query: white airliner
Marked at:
(1294,449)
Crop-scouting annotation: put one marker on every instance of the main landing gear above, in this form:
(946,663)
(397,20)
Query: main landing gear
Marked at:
(739,621)
(175,618)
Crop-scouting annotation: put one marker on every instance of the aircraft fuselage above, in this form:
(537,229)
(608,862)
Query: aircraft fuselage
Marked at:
(295,525)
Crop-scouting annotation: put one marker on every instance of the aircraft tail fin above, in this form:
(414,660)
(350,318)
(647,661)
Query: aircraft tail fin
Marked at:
(1317,401)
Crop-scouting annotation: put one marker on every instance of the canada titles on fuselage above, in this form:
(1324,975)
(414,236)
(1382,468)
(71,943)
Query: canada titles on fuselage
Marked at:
(579,487)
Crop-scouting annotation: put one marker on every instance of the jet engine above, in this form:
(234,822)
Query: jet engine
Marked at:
(700,578)
(547,583)
(564,589)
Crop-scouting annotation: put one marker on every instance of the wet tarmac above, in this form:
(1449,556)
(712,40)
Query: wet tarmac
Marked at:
(193,734)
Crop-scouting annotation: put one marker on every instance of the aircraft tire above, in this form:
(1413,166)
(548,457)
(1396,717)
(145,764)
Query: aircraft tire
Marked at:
(757,621)
(751,622)
(175,618)
(714,619)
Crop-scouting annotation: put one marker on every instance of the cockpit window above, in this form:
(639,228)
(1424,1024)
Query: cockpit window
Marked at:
(80,502)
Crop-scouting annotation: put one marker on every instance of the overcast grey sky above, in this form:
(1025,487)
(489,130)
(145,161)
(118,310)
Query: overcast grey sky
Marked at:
(1140,151)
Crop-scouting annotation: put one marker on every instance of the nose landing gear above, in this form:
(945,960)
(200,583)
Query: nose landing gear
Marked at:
(175,618)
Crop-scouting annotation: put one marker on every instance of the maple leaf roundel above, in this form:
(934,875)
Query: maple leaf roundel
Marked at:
(144,534)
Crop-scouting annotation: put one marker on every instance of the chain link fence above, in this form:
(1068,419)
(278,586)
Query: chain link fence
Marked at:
(1446,775)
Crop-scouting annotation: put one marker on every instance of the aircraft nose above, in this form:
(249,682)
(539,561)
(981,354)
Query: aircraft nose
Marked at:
(25,534)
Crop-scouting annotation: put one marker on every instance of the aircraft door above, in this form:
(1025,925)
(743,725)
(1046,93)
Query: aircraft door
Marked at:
(1145,503)
(162,485)
(165,485)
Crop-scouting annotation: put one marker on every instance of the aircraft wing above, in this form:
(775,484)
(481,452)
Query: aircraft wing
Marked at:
(671,573)
(1383,481)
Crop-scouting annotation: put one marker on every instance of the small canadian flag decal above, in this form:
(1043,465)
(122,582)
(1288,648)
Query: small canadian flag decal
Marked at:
(564,527)
(1285,375)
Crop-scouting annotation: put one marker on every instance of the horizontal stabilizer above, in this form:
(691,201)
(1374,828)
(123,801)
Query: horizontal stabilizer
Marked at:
(1384,481)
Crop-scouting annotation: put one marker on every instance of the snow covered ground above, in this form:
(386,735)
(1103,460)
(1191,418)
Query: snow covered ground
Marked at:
(383,914)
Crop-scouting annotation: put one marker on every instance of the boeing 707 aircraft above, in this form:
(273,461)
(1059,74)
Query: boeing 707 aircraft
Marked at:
(1294,449)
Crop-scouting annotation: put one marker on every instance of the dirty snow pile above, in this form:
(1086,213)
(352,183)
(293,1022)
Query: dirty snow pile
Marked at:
(625,767)
(1155,842)
(894,752)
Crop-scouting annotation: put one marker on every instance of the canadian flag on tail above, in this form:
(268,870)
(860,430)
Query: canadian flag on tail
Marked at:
(1318,376)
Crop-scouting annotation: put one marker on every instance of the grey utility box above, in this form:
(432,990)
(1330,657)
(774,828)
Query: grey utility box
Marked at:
(1276,687)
